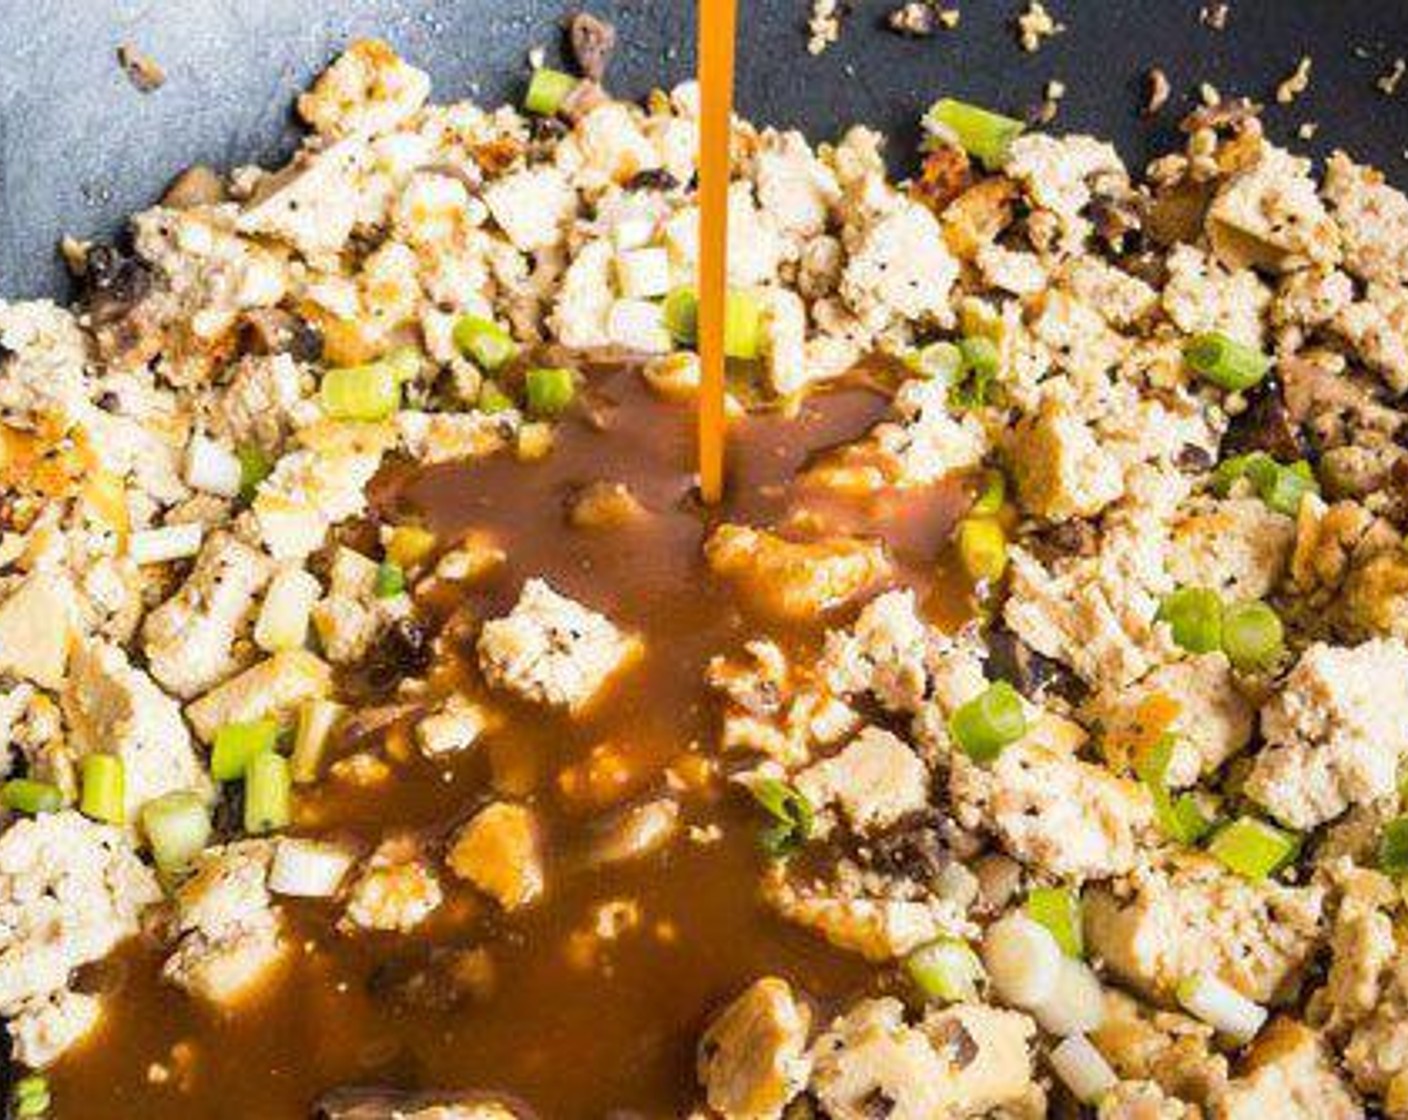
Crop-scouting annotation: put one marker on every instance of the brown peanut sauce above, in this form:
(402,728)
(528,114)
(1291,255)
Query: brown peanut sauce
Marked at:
(572,1025)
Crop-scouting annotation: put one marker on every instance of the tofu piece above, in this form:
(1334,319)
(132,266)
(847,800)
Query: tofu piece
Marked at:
(753,1057)
(1168,1049)
(273,687)
(1057,174)
(1196,699)
(261,403)
(534,207)
(1059,467)
(607,146)
(395,890)
(926,442)
(446,437)
(368,89)
(875,780)
(796,189)
(70,892)
(895,656)
(1269,216)
(966,1061)
(797,579)
(1192,915)
(44,1029)
(1201,296)
(552,650)
(308,493)
(1239,547)
(1335,733)
(43,369)
(351,617)
(1376,327)
(112,706)
(230,936)
(1049,809)
(1373,220)
(37,628)
(312,204)
(500,853)
(1288,1073)
(452,728)
(899,268)
(585,297)
(189,639)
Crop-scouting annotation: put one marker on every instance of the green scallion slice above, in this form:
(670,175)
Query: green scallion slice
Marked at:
(1194,615)
(946,970)
(255,467)
(1393,848)
(550,390)
(990,497)
(681,314)
(1179,816)
(177,826)
(743,326)
(791,814)
(982,548)
(104,795)
(939,361)
(31,1097)
(981,133)
(989,723)
(1252,636)
(1283,489)
(370,392)
(1058,909)
(1225,362)
(390,580)
(547,90)
(494,399)
(486,343)
(268,793)
(237,743)
(1253,848)
(28,795)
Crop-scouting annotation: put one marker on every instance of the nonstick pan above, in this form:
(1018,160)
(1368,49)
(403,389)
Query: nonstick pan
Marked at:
(80,147)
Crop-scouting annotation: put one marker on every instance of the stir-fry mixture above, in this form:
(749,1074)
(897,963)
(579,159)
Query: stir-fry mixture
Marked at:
(391,732)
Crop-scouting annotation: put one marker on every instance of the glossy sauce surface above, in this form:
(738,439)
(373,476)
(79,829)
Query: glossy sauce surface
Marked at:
(573,1025)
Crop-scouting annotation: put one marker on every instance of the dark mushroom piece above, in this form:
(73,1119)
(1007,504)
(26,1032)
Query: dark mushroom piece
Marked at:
(592,40)
(1032,674)
(372,1102)
(1266,425)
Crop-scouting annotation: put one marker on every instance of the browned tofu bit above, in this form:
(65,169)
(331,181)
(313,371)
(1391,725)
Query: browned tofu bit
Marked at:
(797,579)
(499,852)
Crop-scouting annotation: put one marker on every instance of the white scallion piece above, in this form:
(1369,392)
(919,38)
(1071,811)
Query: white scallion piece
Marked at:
(1023,960)
(283,616)
(170,542)
(308,868)
(212,468)
(636,324)
(1083,1069)
(643,273)
(1077,1002)
(1221,1006)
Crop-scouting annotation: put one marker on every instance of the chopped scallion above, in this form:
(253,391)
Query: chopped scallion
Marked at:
(1225,362)
(990,722)
(1253,848)
(791,813)
(547,90)
(237,743)
(1194,615)
(268,799)
(946,970)
(494,399)
(27,795)
(31,1097)
(369,392)
(255,467)
(743,325)
(1393,848)
(550,390)
(939,361)
(1179,816)
(982,547)
(1221,1006)
(1252,636)
(981,133)
(316,719)
(1058,909)
(177,826)
(989,501)
(486,343)
(681,315)
(390,580)
(104,795)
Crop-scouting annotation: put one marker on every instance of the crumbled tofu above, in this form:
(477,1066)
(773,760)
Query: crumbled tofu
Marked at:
(796,579)
(1060,469)
(395,890)
(1163,924)
(43,1029)
(312,204)
(1335,733)
(70,892)
(533,207)
(454,726)
(1201,295)
(875,779)
(1288,1073)
(37,628)
(352,616)
(1373,220)
(230,934)
(43,354)
(964,1061)
(900,267)
(368,89)
(273,687)
(499,852)
(552,650)
(1239,547)
(1270,216)
(753,1056)
(189,638)
(307,494)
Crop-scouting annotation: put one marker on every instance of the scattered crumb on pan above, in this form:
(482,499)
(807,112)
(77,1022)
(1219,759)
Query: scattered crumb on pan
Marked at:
(824,26)
(1052,93)
(1214,16)
(1035,26)
(1308,129)
(1295,83)
(1389,81)
(143,71)
(918,19)
(1156,90)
